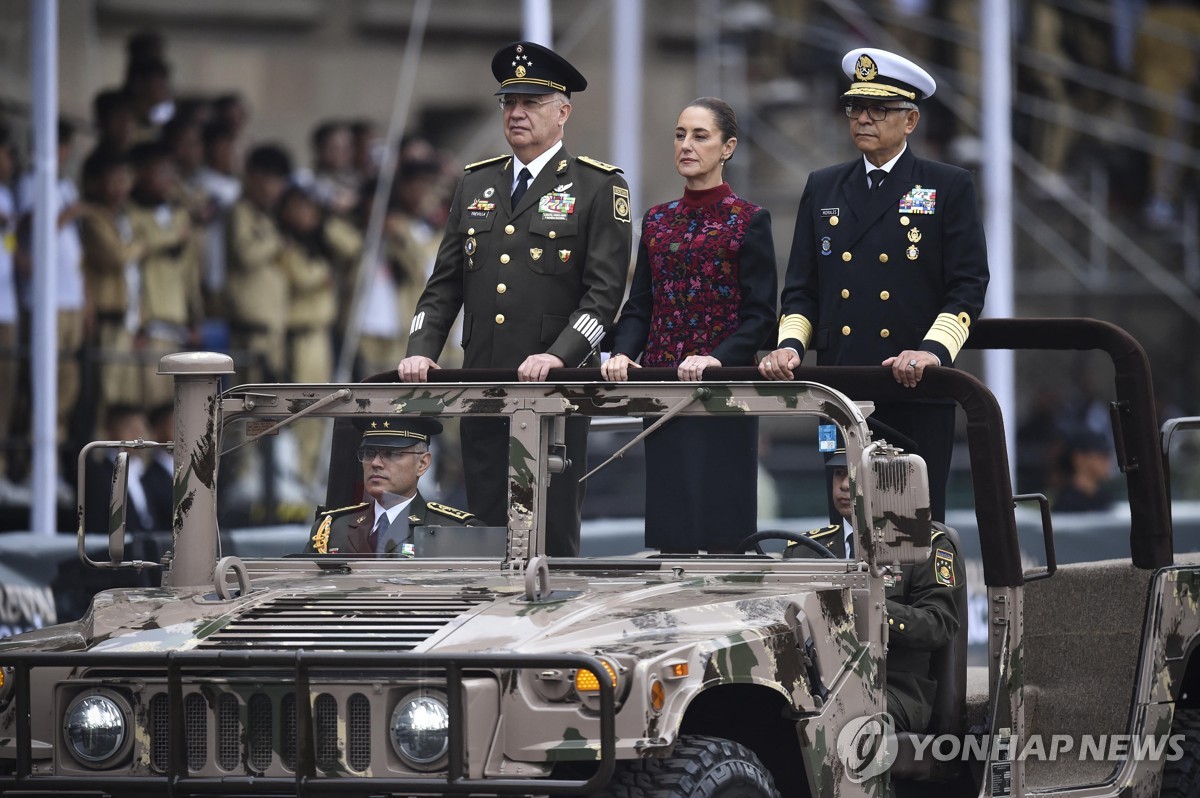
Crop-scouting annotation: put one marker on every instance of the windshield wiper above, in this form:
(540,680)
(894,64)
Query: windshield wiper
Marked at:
(697,395)
(340,395)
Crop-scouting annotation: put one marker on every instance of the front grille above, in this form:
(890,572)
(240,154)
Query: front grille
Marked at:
(246,732)
(259,736)
(344,622)
(325,723)
(229,746)
(287,720)
(159,736)
(195,718)
(358,731)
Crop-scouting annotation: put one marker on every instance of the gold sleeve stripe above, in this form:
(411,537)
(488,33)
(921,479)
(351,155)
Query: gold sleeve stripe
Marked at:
(795,326)
(949,331)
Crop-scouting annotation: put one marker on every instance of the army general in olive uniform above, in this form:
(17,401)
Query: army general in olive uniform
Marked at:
(888,262)
(394,454)
(922,607)
(536,252)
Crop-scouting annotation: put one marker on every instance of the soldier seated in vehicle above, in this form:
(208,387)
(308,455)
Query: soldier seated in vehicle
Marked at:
(394,454)
(922,607)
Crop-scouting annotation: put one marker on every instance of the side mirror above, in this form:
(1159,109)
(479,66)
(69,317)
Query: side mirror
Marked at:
(897,493)
(117,509)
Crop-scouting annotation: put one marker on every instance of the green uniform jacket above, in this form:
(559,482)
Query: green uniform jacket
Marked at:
(922,609)
(546,276)
(346,529)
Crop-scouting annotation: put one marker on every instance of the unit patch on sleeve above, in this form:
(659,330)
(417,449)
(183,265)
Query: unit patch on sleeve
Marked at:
(621,204)
(943,567)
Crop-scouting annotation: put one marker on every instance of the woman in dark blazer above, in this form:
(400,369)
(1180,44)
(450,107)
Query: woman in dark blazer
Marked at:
(703,296)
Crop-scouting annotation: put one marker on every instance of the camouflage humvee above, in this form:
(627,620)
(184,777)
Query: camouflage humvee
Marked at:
(641,675)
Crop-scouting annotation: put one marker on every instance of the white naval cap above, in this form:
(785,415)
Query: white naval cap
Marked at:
(878,74)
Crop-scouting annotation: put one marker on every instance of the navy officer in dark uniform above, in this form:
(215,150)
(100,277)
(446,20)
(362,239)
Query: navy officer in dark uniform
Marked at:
(394,454)
(888,263)
(536,252)
(922,606)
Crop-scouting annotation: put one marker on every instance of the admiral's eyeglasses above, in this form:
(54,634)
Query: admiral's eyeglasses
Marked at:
(877,113)
(527,104)
(388,455)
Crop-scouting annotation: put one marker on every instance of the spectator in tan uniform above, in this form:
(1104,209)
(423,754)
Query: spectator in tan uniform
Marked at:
(312,307)
(111,271)
(171,305)
(256,282)
(332,181)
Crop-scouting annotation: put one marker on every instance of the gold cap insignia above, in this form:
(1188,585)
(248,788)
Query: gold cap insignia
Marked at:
(865,68)
(535,253)
(520,71)
(564,255)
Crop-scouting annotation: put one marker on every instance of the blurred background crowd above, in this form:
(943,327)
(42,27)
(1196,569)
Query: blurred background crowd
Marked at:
(218,163)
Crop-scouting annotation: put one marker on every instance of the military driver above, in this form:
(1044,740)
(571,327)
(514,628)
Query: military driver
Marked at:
(394,454)
(922,607)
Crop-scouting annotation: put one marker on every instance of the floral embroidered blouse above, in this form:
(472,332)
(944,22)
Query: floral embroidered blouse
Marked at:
(705,282)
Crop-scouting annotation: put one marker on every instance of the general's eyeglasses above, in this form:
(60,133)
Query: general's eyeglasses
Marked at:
(877,113)
(388,455)
(527,104)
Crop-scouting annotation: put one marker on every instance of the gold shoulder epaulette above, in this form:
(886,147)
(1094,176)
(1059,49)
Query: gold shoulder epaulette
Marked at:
(823,531)
(484,162)
(601,165)
(346,509)
(449,512)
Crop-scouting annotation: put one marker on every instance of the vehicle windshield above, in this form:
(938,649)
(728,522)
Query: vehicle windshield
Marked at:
(695,485)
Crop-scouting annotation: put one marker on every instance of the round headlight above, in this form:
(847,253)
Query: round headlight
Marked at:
(421,729)
(95,728)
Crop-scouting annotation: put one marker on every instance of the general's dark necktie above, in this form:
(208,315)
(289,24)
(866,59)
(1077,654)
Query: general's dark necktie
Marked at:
(876,176)
(380,527)
(522,184)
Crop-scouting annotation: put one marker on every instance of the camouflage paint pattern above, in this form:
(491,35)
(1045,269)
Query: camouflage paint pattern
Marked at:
(796,629)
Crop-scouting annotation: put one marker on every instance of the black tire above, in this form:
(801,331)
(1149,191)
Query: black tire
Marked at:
(699,767)
(1181,778)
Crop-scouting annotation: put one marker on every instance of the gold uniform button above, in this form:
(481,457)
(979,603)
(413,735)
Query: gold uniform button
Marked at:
(552,234)
(901,627)
(499,318)
(470,231)
(846,256)
(884,333)
(883,257)
(891,621)
(845,331)
(885,296)
(845,293)
(904,221)
(509,229)
(964,319)
(501,288)
(833,221)
(504,258)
